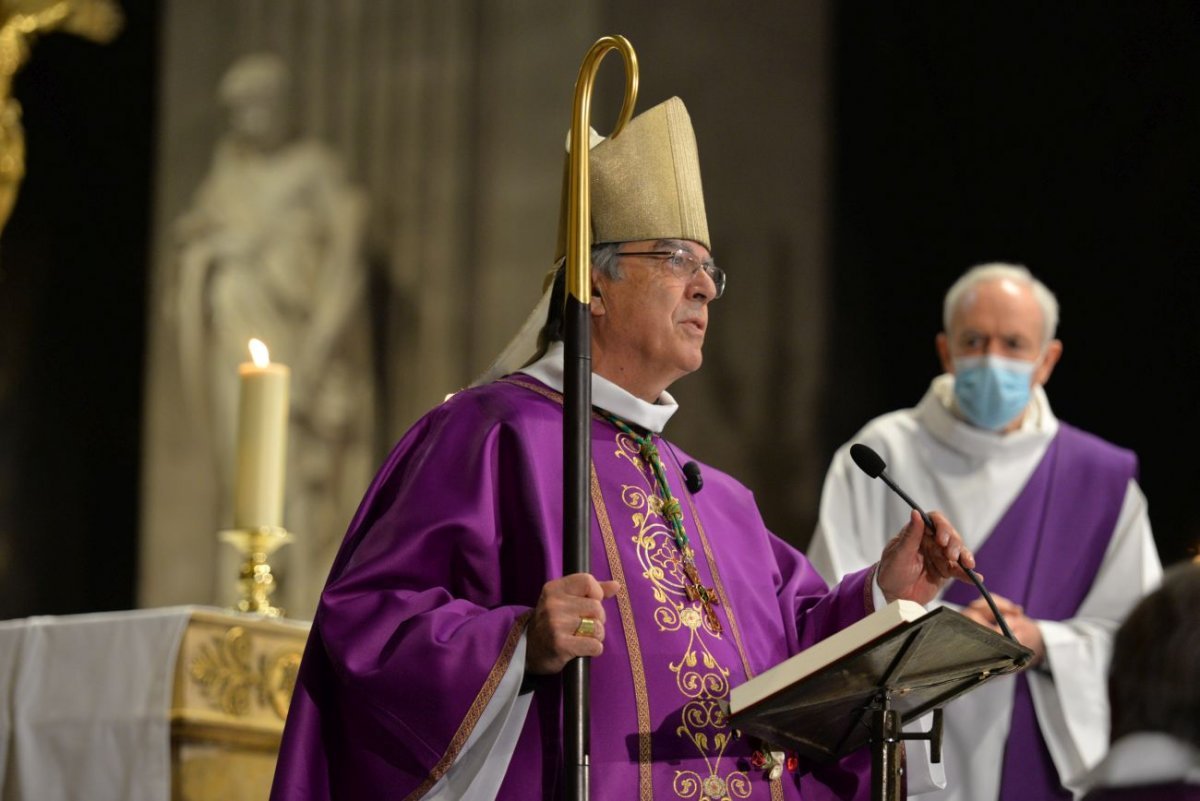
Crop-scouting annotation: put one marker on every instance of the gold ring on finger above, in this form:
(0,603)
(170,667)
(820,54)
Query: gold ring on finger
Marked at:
(587,628)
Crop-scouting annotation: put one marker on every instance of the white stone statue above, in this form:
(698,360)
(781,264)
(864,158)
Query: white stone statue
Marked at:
(272,247)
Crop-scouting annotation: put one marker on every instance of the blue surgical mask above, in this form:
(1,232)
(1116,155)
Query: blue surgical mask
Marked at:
(992,390)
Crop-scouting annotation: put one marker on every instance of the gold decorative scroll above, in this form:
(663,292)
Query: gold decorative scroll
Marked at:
(232,676)
(234,679)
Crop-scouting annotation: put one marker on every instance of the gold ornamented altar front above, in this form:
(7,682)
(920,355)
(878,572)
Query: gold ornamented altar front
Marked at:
(233,683)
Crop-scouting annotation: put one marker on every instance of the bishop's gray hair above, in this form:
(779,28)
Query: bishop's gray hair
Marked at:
(998,271)
(605,260)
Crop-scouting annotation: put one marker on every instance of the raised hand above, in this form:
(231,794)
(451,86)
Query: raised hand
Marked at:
(916,563)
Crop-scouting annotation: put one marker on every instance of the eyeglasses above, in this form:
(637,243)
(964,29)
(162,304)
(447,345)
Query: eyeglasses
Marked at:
(684,265)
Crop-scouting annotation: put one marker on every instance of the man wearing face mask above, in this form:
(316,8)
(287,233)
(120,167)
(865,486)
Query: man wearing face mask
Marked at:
(1054,515)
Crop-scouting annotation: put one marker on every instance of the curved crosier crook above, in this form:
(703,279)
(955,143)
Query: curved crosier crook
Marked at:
(579,205)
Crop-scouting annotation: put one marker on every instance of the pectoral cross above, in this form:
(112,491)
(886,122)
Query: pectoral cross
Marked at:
(696,591)
(671,511)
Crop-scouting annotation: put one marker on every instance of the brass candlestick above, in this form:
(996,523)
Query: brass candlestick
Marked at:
(255,582)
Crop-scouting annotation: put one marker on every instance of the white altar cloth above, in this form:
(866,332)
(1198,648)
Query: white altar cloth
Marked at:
(85,705)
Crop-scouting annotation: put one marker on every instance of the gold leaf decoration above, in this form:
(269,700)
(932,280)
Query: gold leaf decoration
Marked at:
(231,678)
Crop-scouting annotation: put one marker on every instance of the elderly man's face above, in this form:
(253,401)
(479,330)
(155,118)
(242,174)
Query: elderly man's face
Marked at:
(1000,318)
(648,327)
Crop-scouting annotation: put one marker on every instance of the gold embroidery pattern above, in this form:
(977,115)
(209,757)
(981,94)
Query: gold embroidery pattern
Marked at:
(776,785)
(636,665)
(658,569)
(638,668)
(232,678)
(516,381)
(699,677)
(720,587)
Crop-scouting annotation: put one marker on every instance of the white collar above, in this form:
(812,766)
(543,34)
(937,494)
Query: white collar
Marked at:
(938,412)
(1146,758)
(606,394)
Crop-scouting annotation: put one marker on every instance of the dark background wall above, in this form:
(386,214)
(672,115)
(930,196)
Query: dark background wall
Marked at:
(1060,136)
(73,262)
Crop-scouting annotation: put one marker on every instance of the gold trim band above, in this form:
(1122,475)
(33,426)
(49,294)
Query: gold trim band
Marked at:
(472,717)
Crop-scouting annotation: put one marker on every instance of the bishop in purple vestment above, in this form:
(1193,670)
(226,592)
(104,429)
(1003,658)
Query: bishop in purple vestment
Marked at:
(433,667)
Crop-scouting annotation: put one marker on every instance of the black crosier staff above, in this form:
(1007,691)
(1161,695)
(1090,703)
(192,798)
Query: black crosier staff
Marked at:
(577,385)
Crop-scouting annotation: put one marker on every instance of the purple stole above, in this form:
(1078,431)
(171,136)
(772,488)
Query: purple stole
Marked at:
(1044,554)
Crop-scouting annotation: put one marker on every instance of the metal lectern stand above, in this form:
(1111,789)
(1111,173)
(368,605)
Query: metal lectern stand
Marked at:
(868,695)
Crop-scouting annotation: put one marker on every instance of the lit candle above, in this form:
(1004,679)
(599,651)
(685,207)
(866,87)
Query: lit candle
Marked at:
(261,442)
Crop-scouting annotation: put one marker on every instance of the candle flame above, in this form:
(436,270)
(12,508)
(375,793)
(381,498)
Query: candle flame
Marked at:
(259,353)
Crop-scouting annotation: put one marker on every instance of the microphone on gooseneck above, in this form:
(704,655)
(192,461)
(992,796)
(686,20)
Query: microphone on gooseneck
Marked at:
(692,478)
(873,465)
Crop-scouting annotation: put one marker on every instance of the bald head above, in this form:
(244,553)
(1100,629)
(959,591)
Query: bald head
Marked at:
(1013,278)
(998,310)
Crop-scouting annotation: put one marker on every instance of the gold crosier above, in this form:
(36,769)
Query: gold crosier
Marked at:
(577,385)
(579,198)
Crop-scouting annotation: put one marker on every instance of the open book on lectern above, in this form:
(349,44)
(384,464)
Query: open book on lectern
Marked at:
(818,702)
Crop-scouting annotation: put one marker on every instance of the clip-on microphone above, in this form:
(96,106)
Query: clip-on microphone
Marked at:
(873,465)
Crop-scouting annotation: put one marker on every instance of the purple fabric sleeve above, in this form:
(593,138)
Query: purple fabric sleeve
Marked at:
(447,554)
(423,597)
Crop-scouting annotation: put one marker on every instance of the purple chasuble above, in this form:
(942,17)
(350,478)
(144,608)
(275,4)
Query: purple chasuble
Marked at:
(1044,554)
(445,559)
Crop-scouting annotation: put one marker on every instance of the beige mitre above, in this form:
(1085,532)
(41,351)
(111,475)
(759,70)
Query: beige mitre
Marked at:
(645,185)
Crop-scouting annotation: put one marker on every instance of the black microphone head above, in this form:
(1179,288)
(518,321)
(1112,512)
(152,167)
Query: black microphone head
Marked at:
(692,477)
(867,460)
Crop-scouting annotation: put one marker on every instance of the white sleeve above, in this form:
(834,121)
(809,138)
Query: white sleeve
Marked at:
(1070,692)
(924,775)
(847,535)
(480,767)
